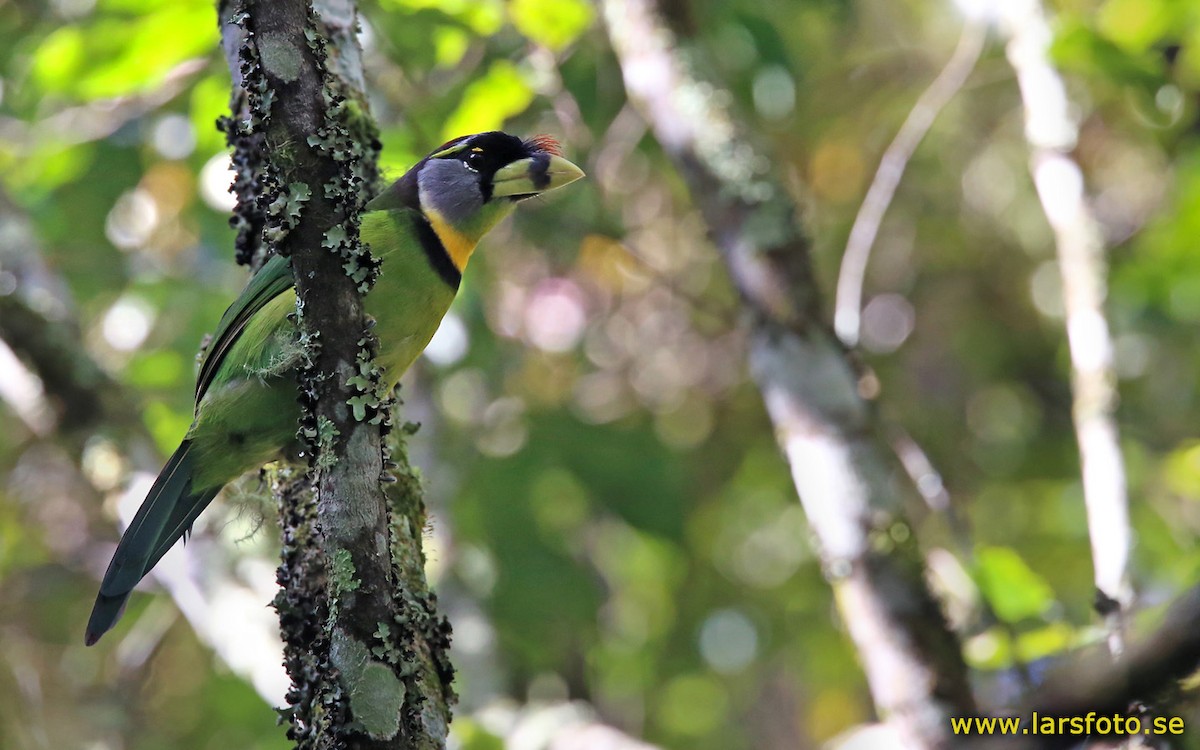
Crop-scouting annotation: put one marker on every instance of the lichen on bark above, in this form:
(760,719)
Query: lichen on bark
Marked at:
(364,645)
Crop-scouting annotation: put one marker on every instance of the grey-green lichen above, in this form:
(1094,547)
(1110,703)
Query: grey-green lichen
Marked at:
(376,693)
(368,381)
(280,57)
(249,105)
(323,436)
(342,575)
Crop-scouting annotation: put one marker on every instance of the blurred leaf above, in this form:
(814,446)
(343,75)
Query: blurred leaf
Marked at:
(1134,24)
(450,44)
(209,100)
(116,56)
(48,166)
(1013,589)
(1181,470)
(693,705)
(1079,47)
(59,58)
(166,425)
(471,736)
(484,17)
(158,369)
(490,100)
(1046,641)
(399,152)
(552,23)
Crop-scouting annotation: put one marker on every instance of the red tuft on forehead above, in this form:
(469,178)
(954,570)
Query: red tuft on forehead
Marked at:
(547,143)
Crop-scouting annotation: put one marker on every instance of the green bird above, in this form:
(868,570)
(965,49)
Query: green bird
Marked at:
(423,229)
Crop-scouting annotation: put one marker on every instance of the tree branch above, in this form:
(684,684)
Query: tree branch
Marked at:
(1095,685)
(1145,670)
(847,317)
(825,427)
(363,646)
(1052,133)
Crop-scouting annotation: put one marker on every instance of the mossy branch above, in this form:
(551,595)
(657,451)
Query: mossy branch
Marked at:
(364,647)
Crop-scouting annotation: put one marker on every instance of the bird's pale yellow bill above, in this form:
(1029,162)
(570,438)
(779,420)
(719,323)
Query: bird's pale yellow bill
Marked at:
(534,175)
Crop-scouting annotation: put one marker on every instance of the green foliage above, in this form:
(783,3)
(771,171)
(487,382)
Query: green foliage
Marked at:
(127,51)
(554,23)
(474,737)
(490,100)
(1081,46)
(482,18)
(1014,590)
(1137,25)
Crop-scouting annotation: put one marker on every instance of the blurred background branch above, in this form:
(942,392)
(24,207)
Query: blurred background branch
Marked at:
(825,427)
(37,324)
(847,315)
(1053,133)
(1149,669)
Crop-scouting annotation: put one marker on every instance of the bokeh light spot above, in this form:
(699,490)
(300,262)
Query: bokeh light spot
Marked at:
(887,322)
(555,315)
(127,323)
(216,179)
(450,342)
(173,136)
(132,219)
(728,641)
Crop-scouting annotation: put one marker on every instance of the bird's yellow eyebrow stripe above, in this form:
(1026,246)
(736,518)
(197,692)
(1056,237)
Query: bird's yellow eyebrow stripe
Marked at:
(448,151)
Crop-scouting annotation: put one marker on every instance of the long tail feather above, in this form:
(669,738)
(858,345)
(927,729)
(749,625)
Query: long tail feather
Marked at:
(180,524)
(167,512)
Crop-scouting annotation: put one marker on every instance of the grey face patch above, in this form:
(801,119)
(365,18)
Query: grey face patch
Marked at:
(450,188)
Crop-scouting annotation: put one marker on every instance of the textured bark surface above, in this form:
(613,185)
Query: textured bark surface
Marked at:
(364,646)
(842,473)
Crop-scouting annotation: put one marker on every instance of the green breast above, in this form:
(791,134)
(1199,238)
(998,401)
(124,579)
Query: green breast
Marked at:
(250,412)
(410,298)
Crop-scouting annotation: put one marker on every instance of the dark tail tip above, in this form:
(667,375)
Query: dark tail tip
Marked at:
(105,613)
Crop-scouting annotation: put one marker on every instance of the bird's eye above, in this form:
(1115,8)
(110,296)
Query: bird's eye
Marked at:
(474,160)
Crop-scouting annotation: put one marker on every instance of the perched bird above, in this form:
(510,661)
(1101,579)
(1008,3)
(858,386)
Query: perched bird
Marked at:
(423,229)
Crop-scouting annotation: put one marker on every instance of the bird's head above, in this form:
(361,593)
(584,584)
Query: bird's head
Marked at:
(466,186)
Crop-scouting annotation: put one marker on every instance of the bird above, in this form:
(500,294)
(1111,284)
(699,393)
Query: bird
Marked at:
(422,229)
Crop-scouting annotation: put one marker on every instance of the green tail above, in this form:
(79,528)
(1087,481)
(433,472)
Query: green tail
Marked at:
(166,514)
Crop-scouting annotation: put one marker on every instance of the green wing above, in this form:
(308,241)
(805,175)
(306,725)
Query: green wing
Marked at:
(272,280)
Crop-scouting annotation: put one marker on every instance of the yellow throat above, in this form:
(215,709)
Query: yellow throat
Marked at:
(458,245)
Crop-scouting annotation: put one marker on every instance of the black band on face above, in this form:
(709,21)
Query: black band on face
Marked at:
(539,173)
(486,187)
(436,253)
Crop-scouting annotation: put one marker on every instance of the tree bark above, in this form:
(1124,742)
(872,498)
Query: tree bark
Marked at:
(364,646)
(825,427)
